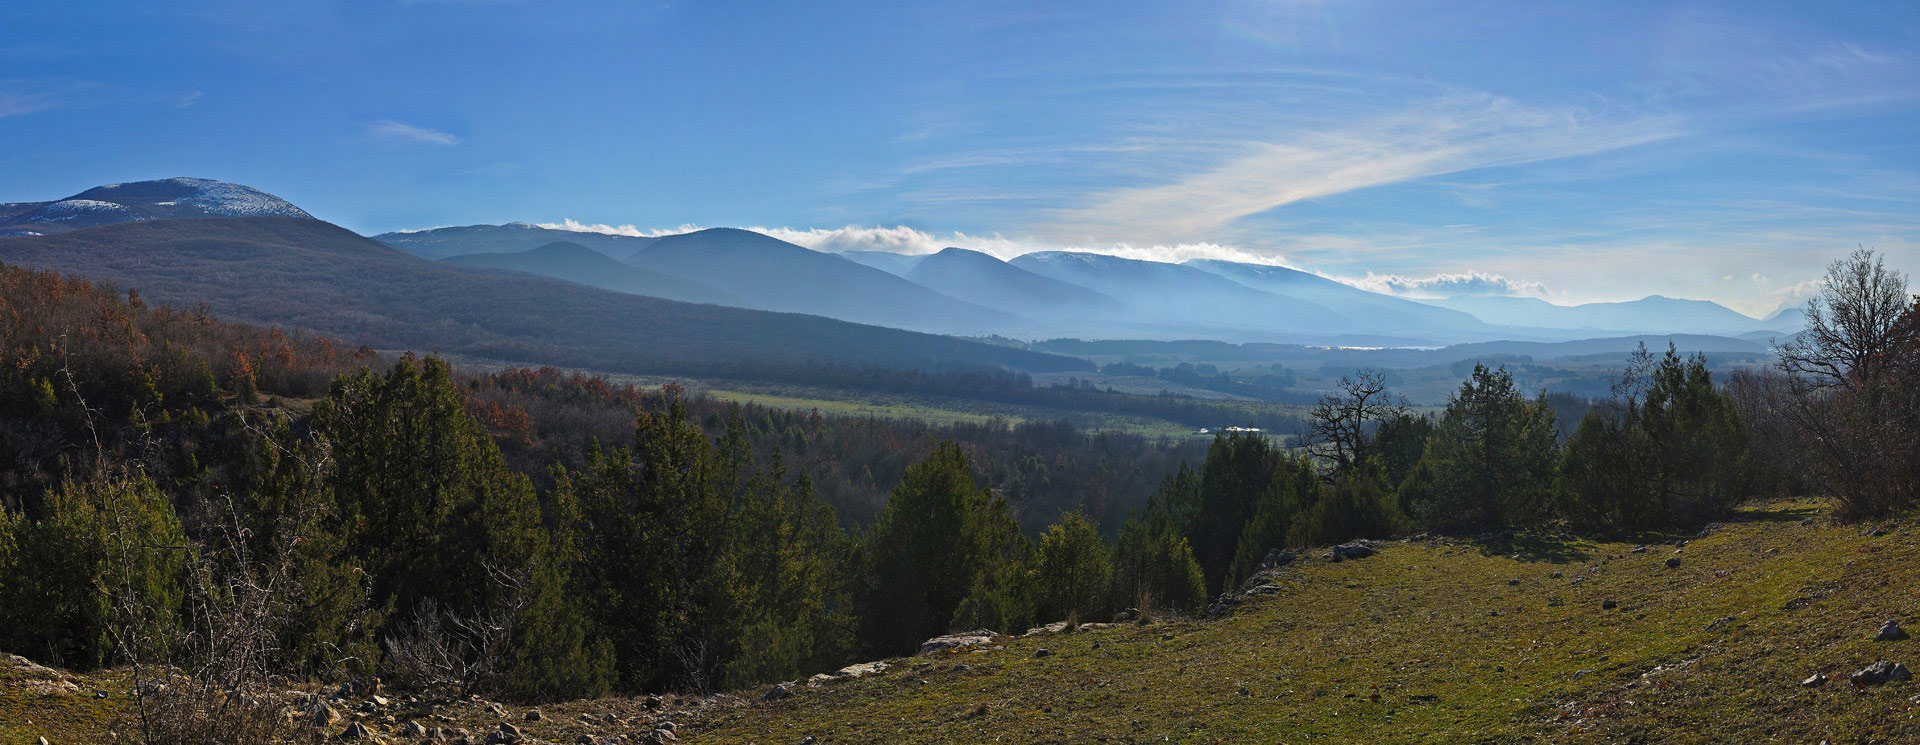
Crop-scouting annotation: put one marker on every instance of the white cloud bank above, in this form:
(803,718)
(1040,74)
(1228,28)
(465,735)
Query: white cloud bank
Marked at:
(901,239)
(1457,284)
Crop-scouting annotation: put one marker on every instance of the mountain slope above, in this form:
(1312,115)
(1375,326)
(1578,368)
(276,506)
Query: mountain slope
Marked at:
(304,273)
(1651,314)
(166,199)
(1371,310)
(576,263)
(1172,293)
(979,278)
(773,274)
(886,261)
(512,237)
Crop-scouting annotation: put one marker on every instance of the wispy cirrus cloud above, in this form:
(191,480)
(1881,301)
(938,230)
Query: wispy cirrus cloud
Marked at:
(1456,132)
(19,97)
(390,130)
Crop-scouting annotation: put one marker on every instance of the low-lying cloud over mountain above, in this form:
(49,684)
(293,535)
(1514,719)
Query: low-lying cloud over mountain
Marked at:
(1456,284)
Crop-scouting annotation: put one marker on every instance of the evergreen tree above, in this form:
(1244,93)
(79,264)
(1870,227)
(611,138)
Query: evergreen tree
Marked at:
(101,576)
(1490,464)
(1240,471)
(940,539)
(1670,451)
(1073,572)
(1356,505)
(438,520)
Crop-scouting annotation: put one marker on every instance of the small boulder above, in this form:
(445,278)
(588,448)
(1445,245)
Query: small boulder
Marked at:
(954,642)
(1879,673)
(1608,604)
(1814,681)
(533,715)
(355,731)
(1354,550)
(1891,632)
(779,691)
(1043,652)
(1673,562)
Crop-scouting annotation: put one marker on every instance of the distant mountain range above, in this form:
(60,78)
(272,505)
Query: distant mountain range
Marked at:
(954,291)
(168,199)
(776,275)
(1065,293)
(1654,313)
(301,273)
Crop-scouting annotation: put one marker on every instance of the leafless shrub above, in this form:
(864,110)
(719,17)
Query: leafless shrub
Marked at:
(455,652)
(210,682)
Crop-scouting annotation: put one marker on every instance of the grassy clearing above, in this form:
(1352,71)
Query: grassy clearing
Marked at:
(1430,642)
(846,402)
(1435,641)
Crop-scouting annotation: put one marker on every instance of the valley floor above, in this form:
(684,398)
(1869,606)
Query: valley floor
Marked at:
(1429,641)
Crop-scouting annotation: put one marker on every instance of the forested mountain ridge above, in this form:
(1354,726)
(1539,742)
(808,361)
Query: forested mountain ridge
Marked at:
(308,274)
(439,243)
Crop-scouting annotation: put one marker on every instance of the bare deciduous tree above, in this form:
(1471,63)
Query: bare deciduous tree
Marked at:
(1341,424)
(1852,325)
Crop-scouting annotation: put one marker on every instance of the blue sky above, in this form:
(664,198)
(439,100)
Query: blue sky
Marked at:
(1574,151)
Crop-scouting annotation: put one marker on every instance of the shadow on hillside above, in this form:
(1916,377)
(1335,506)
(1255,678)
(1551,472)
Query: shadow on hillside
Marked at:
(1534,548)
(1773,514)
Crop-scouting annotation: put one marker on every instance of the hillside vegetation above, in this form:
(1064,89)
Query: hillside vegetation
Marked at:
(1433,641)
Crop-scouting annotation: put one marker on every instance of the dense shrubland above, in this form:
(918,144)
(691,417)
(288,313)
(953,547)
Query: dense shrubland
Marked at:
(538,535)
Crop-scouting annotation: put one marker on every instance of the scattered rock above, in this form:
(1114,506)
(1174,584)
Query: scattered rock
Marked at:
(1814,681)
(413,729)
(1891,632)
(1277,558)
(1512,582)
(1555,575)
(1245,692)
(533,715)
(1879,673)
(954,642)
(1354,550)
(1673,562)
(1043,652)
(355,731)
(1638,550)
(1608,604)
(779,691)
(1718,622)
(808,740)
